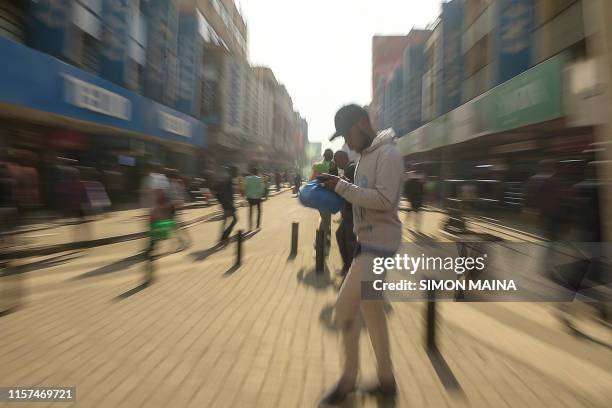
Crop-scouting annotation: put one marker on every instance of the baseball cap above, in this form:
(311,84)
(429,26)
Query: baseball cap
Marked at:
(346,117)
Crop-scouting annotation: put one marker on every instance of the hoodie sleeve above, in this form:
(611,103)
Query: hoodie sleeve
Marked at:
(384,194)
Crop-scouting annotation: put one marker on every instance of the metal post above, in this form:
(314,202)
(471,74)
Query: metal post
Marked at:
(431,320)
(294,238)
(320,249)
(239,248)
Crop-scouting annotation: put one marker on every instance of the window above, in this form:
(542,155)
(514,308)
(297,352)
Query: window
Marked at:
(90,49)
(478,57)
(12,20)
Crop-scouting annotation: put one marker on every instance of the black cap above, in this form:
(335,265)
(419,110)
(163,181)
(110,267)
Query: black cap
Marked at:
(346,117)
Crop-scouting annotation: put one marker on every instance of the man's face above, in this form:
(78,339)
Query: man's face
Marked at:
(355,138)
(341,160)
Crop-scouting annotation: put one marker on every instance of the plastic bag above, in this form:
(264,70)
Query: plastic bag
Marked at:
(162,229)
(314,195)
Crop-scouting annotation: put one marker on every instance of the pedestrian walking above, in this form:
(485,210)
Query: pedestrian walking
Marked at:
(254,188)
(225,196)
(324,167)
(178,195)
(156,195)
(297,182)
(278,180)
(414,190)
(375,197)
(345,236)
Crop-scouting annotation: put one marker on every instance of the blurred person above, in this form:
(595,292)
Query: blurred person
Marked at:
(266,179)
(178,196)
(26,190)
(254,189)
(375,198)
(545,169)
(241,180)
(113,180)
(205,190)
(8,208)
(414,187)
(586,205)
(297,182)
(156,197)
(430,189)
(550,199)
(73,200)
(345,236)
(225,195)
(325,167)
(278,180)
(155,179)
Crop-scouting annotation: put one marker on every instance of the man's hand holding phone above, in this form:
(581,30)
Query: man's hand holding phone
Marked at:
(328,180)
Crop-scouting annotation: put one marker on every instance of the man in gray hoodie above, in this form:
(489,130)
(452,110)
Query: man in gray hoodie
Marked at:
(375,197)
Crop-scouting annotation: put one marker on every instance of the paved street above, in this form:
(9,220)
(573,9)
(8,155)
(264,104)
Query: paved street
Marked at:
(208,334)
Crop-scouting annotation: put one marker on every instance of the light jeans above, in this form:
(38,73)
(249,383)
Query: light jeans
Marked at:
(349,306)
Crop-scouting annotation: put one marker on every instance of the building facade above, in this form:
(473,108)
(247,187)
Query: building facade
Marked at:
(249,114)
(532,90)
(397,73)
(96,80)
(169,79)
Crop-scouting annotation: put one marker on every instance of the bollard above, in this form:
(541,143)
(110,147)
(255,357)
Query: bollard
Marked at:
(431,321)
(239,248)
(294,238)
(320,249)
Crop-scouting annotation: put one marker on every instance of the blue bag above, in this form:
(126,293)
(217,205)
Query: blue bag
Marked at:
(314,195)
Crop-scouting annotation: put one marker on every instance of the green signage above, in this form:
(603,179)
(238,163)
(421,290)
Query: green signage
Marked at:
(532,97)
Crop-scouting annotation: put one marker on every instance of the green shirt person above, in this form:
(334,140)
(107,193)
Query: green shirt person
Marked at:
(326,166)
(254,187)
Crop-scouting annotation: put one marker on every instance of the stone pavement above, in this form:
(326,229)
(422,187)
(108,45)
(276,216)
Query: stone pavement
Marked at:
(206,334)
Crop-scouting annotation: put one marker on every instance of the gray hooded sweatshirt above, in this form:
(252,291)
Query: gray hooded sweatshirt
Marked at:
(376,194)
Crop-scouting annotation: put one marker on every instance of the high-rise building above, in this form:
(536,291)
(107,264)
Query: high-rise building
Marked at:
(249,114)
(225,20)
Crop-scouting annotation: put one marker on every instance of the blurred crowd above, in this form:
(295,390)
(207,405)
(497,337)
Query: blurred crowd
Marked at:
(62,187)
(557,199)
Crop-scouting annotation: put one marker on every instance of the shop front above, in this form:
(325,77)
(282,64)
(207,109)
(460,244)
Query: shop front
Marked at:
(74,110)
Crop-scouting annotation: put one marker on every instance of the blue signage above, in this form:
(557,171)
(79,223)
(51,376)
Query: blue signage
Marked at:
(515,37)
(38,81)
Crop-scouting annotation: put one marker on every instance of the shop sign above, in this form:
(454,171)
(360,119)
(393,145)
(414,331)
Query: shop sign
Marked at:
(435,133)
(94,98)
(43,83)
(585,96)
(462,123)
(534,96)
(173,124)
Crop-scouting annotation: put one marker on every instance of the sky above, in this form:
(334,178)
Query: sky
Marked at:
(322,49)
